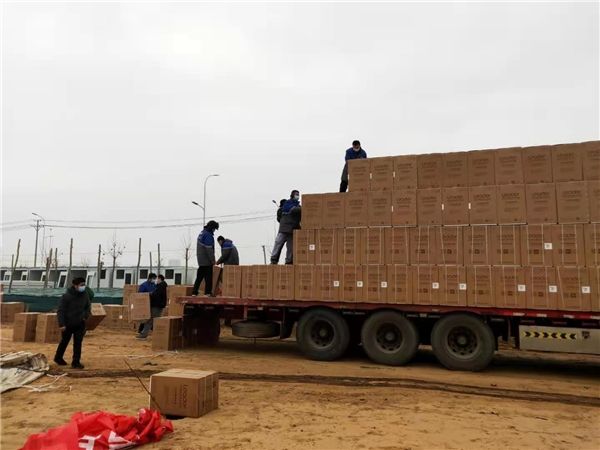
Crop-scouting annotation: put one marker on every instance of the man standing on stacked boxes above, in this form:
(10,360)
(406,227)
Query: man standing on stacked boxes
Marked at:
(354,152)
(291,214)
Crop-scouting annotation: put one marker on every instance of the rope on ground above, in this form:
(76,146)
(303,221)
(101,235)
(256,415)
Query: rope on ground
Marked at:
(48,386)
(155,355)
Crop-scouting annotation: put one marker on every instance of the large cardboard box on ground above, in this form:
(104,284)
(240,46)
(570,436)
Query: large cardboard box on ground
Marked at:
(568,245)
(541,203)
(450,245)
(376,285)
(382,174)
(326,242)
(116,317)
(25,326)
(184,393)
(510,288)
(359,174)
(429,206)
(510,203)
(283,281)
(453,285)
(96,317)
(46,330)
(305,283)
(567,163)
(167,333)
(334,210)
(591,160)
(8,310)
(376,247)
(405,172)
(506,243)
(312,211)
(399,284)
(455,207)
(542,288)
(263,284)
(508,166)
(329,286)
(426,285)
(380,208)
(304,246)
(536,245)
(481,168)
(591,233)
(178,290)
(537,164)
(572,202)
(139,308)
(399,244)
(423,245)
(430,171)
(232,281)
(455,169)
(129,289)
(349,246)
(574,289)
(480,286)
(356,209)
(404,207)
(352,281)
(482,205)
(478,245)
(594,197)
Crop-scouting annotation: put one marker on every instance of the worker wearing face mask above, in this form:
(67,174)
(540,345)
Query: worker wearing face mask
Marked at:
(354,152)
(149,285)
(291,214)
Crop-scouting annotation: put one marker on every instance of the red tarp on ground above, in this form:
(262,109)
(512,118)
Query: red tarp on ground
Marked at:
(102,431)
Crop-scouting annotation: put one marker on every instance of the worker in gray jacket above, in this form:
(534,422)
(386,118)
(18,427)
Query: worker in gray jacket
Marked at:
(229,252)
(289,216)
(205,253)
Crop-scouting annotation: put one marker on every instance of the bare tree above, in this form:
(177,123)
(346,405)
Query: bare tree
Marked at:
(186,241)
(48,263)
(84,261)
(115,250)
(137,271)
(14,265)
(70,263)
(158,261)
(99,267)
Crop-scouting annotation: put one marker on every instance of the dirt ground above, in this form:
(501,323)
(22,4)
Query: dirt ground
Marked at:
(273,398)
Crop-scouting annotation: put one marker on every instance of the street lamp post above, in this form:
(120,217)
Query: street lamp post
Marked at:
(204,202)
(37,230)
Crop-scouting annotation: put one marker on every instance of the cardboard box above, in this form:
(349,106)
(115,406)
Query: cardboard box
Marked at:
(453,285)
(375,246)
(380,208)
(359,174)
(127,290)
(352,284)
(356,209)
(179,290)
(248,281)
(139,308)
(46,330)
(304,246)
(482,205)
(430,171)
(263,285)
(508,166)
(97,316)
(216,282)
(510,287)
(334,210)
(329,286)
(591,160)
(594,197)
(567,163)
(536,245)
(283,281)
(399,284)
(404,207)
(541,203)
(375,280)
(591,233)
(506,244)
(382,174)
(426,285)
(481,168)
(574,289)
(572,202)
(25,325)
(595,286)
(184,393)
(326,247)
(455,206)
(423,245)
(511,204)
(455,169)
(542,289)
(478,245)
(8,310)
(568,245)
(305,283)
(450,245)
(405,172)
(312,211)
(480,287)
(116,317)
(349,246)
(167,333)
(537,164)
(174,310)
(232,281)
(429,206)
(399,243)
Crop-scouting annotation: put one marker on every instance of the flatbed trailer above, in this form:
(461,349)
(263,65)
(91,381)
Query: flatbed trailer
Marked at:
(461,337)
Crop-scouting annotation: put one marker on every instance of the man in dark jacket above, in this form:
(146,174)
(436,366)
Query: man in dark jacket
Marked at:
(291,213)
(354,152)
(205,253)
(158,302)
(229,252)
(73,310)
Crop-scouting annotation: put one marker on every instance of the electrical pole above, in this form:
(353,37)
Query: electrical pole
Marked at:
(37,232)
(137,273)
(264,253)
(150,262)
(55,265)
(48,262)
(158,262)
(70,263)
(14,266)
(99,267)
(187,258)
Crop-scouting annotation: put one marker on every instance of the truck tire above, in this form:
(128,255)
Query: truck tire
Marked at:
(390,338)
(255,329)
(463,342)
(322,334)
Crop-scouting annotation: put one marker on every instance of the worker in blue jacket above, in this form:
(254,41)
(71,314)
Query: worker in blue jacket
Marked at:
(205,253)
(149,285)
(289,216)
(354,152)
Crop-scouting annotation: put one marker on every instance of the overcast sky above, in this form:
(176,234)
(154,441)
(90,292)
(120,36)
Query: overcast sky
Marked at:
(117,112)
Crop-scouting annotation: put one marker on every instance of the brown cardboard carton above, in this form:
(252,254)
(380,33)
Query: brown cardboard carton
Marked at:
(595,287)
(283,281)
(405,172)
(216,282)
(480,287)
(8,310)
(478,245)
(351,278)
(404,207)
(359,174)
(382,174)
(375,248)
(567,163)
(455,206)
(174,310)
(426,285)
(305,283)
(591,232)
(481,168)
(139,308)
(328,283)
(349,246)
(232,281)
(263,286)
(184,393)
(312,211)
(506,243)
(510,288)
(25,325)
(574,289)
(591,160)
(423,245)
(482,205)
(572,202)
(429,206)
(327,248)
(508,166)
(304,247)
(167,333)
(536,245)
(511,204)
(356,209)
(568,245)
(450,245)
(454,169)
(541,203)
(46,330)
(179,290)
(117,317)
(334,210)
(429,171)
(399,284)
(453,285)
(537,164)
(399,243)
(375,280)
(542,289)
(380,208)
(127,290)
(96,317)
(594,196)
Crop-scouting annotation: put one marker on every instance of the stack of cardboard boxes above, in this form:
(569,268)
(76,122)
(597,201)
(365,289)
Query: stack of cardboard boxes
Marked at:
(506,228)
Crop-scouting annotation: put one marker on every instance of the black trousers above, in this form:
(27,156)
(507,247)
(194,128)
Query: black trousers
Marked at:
(204,273)
(77,331)
(343,186)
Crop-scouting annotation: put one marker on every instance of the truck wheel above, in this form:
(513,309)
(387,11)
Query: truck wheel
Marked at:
(390,338)
(255,329)
(322,334)
(463,342)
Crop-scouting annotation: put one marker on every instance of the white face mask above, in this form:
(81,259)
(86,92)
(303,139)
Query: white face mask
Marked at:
(81,288)
(296,197)
(153,281)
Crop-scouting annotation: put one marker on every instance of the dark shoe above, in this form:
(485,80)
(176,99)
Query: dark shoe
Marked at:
(60,362)
(141,336)
(77,366)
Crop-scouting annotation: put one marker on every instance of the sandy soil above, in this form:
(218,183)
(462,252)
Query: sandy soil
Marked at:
(273,398)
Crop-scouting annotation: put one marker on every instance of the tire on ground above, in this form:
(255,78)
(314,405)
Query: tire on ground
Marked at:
(255,329)
(390,338)
(322,334)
